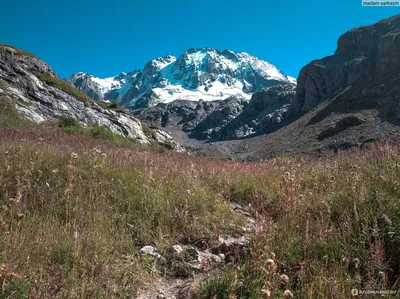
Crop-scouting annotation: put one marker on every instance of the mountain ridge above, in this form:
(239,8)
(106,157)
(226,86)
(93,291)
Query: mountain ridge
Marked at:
(198,74)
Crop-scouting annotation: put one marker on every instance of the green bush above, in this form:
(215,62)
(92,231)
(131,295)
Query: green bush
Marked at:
(68,122)
(100,132)
(114,105)
(70,125)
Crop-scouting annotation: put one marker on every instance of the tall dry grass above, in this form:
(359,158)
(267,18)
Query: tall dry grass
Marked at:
(328,225)
(75,211)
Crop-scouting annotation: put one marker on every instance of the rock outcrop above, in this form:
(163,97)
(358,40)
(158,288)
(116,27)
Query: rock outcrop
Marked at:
(341,125)
(184,114)
(264,113)
(86,85)
(226,111)
(232,118)
(345,100)
(21,75)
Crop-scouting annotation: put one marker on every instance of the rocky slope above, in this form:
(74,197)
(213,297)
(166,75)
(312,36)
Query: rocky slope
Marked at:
(198,74)
(201,120)
(265,113)
(232,118)
(40,96)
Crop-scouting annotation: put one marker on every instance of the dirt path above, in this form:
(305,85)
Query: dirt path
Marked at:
(175,288)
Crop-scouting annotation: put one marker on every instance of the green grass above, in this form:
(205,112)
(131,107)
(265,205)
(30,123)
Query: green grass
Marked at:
(9,116)
(64,86)
(70,125)
(104,134)
(72,223)
(101,133)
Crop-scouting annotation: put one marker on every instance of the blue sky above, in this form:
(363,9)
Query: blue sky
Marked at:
(106,38)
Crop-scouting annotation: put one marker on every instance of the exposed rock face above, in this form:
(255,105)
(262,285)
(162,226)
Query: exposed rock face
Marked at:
(41,102)
(86,85)
(232,118)
(264,113)
(226,111)
(184,114)
(362,52)
(365,75)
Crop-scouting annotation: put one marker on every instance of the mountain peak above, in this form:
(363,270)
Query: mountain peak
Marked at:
(198,74)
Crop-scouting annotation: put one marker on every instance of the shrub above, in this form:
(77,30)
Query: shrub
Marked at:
(70,125)
(114,105)
(68,122)
(100,132)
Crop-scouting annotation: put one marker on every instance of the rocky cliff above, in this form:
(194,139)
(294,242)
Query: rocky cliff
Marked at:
(346,100)
(362,53)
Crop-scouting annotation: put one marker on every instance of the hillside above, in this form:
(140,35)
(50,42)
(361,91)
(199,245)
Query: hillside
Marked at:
(31,87)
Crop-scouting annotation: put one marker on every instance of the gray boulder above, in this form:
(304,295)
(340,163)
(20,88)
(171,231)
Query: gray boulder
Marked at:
(341,125)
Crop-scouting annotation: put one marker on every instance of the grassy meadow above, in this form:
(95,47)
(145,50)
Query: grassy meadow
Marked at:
(75,210)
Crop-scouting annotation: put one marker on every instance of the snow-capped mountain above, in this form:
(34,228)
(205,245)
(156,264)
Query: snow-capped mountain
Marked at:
(292,80)
(199,74)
